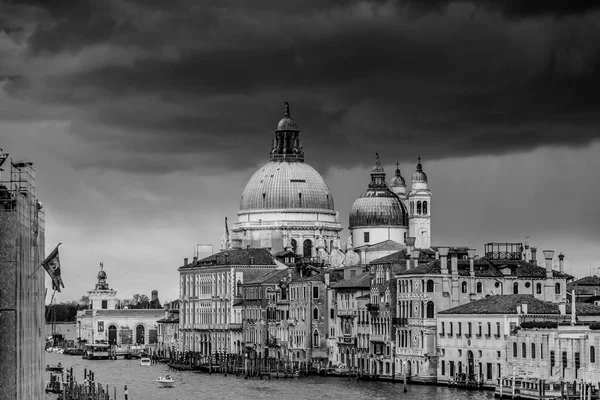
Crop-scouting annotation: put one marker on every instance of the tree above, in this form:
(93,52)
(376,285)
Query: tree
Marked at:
(141,301)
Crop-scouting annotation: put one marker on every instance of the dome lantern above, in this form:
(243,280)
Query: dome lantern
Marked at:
(419,175)
(286,144)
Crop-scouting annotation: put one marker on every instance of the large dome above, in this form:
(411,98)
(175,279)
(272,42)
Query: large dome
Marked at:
(285,185)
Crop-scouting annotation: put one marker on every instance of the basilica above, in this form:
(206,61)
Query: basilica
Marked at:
(287,205)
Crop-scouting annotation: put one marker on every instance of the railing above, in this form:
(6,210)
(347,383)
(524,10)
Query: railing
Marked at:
(321,224)
(409,352)
(346,313)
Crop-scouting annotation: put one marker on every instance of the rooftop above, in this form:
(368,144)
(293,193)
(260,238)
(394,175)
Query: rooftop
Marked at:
(235,257)
(359,282)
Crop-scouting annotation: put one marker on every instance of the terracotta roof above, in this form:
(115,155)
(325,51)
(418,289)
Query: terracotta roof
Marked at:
(361,281)
(274,276)
(334,276)
(505,304)
(486,268)
(583,290)
(386,245)
(235,257)
(394,258)
(587,281)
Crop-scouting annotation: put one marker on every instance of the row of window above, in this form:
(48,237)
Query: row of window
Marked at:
(421,207)
(469,329)
(552,356)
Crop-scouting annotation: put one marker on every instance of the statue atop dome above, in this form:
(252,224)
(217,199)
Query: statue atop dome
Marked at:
(287,109)
(287,145)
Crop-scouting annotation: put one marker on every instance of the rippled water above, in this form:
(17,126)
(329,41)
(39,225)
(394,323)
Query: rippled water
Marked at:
(141,383)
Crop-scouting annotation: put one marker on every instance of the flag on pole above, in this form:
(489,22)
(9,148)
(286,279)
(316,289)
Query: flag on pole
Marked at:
(52,265)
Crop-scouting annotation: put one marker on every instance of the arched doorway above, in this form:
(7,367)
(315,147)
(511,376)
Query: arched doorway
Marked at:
(307,248)
(112,334)
(471,368)
(140,334)
(408,368)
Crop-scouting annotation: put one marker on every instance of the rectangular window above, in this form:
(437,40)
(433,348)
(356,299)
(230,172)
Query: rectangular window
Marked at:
(497,329)
(469,328)
(459,329)
(499,371)
(315,292)
(451,330)
(100,326)
(442,330)
(552,360)
(489,326)
(564,359)
(366,237)
(577,363)
(498,354)
(480,329)
(489,371)
(104,304)
(443,363)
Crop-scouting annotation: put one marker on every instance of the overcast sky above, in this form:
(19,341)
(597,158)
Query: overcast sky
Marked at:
(145,119)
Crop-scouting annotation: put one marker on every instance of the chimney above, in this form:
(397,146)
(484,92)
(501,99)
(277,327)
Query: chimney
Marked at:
(185,262)
(454,263)
(410,243)
(562,308)
(525,253)
(251,260)
(524,308)
(561,262)
(573,301)
(415,256)
(548,254)
(437,255)
(195,259)
(533,255)
(471,255)
(326,278)
(443,259)
(408,262)
(519,310)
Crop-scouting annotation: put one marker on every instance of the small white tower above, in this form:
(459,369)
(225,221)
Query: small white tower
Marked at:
(419,209)
(102,297)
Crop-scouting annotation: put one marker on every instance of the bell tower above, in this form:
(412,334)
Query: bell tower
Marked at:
(419,209)
(102,297)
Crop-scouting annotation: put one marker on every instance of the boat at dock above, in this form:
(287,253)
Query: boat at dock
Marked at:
(56,384)
(55,368)
(145,362)
(165,381)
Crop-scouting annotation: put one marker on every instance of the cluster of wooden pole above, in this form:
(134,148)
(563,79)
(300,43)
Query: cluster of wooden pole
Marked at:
(89,389)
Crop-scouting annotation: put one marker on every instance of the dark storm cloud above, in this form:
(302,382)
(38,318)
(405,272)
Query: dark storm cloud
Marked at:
(437,78)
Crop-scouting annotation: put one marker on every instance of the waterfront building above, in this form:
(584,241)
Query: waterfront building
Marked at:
(478,338)
(286,204)
(447,282)
(22,288)
(208,290)
(106,322)
(168,327)
(309,305)
(346,341)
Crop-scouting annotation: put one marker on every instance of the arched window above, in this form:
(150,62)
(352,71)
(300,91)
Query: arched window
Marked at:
(316,313)
(538,288)
(514,349)
(464,287)
(523,350)
(424,208)
(410,285)
(532,350)
(557,288)
(412,207)
(516,288)
(307,249)
(418,207)
(294,245)
(479,287)
(316,342)
(140,334)
(592,354)
(430,309)
(430,286)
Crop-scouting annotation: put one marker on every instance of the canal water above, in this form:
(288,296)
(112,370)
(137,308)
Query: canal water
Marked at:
(141,384)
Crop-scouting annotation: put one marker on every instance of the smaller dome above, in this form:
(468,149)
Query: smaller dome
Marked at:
(419,175)
(397,180)
(101,275)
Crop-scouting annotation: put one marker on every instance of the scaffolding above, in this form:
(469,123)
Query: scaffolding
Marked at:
(22,308)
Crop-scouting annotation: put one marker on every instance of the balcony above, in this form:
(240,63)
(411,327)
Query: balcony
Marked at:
(372,307)
(409,352)
(377,338)
(399,321)
(346,313)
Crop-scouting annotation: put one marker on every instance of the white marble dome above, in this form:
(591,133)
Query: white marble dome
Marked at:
(285,185)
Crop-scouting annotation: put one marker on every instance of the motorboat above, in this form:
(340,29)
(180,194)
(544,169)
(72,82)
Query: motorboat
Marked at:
(55,368)
(56,384)
(145,362)
(165,381)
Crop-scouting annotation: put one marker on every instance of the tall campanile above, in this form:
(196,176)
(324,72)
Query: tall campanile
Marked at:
(419,209)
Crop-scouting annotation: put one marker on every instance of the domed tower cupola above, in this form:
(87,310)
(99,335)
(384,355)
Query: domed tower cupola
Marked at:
(378,214)
(286,143)
(101,285)
(398,184)
(419,178)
